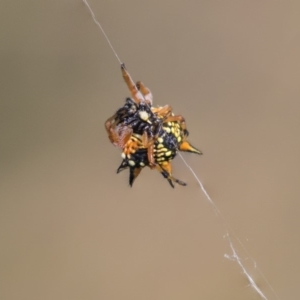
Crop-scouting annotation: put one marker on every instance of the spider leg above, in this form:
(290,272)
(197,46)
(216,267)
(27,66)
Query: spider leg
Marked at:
(150,155)
(108,123)
(180,119)
(117,134)
(166,171)
(145,140)
(124,135)
(162,111)
(145,91)
(149,144)
(110,128)
(177,118)
(136,94)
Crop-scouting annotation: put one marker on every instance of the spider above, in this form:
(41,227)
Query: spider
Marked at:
(149,136)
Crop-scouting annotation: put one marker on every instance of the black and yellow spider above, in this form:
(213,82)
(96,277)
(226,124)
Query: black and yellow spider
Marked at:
(148,136)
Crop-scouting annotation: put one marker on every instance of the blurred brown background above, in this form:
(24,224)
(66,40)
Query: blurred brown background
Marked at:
(70,228)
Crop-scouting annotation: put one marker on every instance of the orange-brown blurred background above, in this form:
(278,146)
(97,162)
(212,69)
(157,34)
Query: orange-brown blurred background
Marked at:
(70,228)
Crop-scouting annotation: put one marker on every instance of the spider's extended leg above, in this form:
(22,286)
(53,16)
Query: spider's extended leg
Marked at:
(166,170)
(117,134)
(136,94)
(163,111)
(150,153)
(178,118)
(109,123)
(110,128)
(149,145)
(145,91)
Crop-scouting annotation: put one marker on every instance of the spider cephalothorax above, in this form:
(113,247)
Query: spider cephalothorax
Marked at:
(139,117)
(148,136)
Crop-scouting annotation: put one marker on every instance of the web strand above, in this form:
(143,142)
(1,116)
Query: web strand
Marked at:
(234,256)
(101,28)
(106,37)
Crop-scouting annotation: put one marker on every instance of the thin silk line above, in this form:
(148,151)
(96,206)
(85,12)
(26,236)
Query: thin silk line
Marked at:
(234,255)
(101,28)
(106,37)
